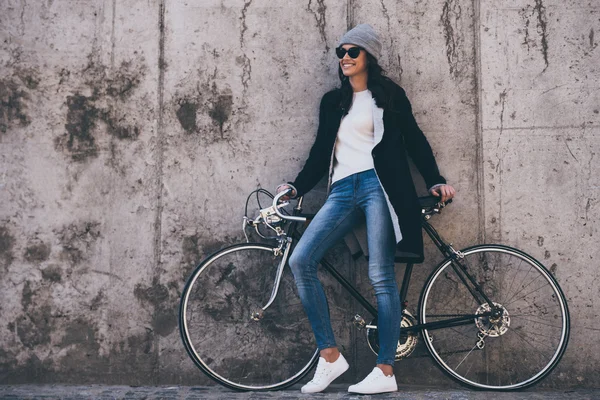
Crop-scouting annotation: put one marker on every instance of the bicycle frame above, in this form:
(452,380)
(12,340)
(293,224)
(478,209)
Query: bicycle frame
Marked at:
(444,303)
(447,251)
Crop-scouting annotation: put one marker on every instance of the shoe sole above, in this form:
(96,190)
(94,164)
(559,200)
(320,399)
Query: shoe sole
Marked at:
(386,391)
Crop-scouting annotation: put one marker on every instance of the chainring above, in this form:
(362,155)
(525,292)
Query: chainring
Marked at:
(407,342)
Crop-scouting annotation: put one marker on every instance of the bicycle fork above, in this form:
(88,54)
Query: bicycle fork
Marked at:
(285,244)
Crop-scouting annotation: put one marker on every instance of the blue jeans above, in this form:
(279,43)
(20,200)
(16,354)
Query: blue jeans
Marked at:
(351,198)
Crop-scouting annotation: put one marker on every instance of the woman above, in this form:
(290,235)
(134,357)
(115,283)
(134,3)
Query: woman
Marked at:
(366,127)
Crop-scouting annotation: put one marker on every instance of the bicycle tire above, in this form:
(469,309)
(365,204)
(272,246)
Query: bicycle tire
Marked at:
(494,365)
(225,342)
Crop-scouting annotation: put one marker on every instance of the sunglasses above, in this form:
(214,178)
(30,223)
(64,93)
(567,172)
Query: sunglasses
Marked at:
(353,52)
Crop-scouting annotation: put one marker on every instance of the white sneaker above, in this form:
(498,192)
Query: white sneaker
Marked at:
(375,382)
(325,374)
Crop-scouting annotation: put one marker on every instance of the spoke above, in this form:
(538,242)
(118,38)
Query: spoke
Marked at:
(449,315)
(202,341)
(508,265)
(466,356)
(529,342)
(517,267)
(525,314)
(517,270)
(244,370)
(448,336)
(533,309)
(467,371)
(532,320)
(534,333)
(523,288)
(461,333)
(513,281)
(520,298)
(510,371)
(444,353)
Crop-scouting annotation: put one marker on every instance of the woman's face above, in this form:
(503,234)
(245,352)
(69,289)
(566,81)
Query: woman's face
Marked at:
(353,66)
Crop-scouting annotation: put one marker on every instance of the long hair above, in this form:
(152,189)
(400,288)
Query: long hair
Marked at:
(376,80)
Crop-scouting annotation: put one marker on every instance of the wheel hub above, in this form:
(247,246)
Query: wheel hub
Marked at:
(495,324)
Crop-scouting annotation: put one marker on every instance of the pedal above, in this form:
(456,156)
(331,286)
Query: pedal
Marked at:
(359,321)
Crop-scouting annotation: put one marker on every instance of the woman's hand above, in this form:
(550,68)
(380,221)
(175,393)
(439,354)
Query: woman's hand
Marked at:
(446,192)
(283,187)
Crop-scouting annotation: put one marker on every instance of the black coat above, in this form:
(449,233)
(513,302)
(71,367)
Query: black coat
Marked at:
(401,136)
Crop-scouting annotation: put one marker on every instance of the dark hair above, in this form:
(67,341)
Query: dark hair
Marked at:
(375,83)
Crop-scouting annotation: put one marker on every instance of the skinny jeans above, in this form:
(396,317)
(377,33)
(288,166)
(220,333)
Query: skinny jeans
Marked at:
(351,199)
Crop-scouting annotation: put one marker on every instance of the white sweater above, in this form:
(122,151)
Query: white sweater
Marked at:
(355,138)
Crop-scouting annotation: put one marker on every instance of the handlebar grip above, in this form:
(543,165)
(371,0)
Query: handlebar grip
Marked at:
(439,199)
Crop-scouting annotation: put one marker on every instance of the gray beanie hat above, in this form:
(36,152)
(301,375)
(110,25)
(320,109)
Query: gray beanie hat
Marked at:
(363,35)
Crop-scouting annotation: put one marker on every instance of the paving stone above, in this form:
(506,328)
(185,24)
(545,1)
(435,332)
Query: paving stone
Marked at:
(67,392)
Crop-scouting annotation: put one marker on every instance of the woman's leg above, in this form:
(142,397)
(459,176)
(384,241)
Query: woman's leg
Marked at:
(382,249)
(333,221)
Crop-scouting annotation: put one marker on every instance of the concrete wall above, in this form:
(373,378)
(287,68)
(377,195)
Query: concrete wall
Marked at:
(131,132)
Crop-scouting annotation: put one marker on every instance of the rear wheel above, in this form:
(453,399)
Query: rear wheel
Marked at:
(222,338)
(515,349)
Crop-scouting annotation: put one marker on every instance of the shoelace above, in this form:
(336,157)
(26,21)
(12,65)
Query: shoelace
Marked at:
(320,373)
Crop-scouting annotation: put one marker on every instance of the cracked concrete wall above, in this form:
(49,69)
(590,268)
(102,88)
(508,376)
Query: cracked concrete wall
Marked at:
(131,132)
(540,126)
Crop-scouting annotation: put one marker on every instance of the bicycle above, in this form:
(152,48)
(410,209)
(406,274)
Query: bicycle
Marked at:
(479,308)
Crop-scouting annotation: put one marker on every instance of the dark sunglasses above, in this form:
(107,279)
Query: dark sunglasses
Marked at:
(353,52)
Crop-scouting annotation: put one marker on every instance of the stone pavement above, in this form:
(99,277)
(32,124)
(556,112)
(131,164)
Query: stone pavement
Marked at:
(212,392)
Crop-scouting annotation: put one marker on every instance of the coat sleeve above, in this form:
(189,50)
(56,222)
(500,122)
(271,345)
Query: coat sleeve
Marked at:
(417,146)
(317,163)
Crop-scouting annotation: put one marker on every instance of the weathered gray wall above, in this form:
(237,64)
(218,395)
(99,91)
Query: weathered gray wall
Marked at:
(131,132)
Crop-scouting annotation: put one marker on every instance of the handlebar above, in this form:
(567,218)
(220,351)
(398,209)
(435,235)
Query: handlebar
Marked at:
(276,206)
(428,203)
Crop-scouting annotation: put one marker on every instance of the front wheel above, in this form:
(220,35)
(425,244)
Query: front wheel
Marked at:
(512,350)
(218,329)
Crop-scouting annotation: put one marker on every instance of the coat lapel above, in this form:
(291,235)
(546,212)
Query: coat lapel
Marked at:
(377,136)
